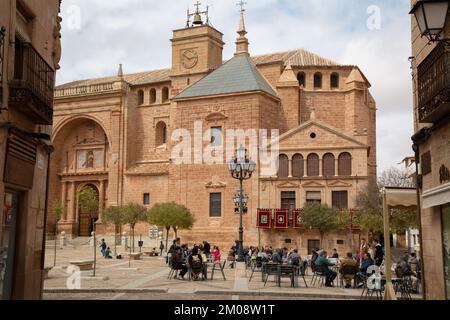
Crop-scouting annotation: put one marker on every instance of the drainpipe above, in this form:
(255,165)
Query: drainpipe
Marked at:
(416,138)
(50,149)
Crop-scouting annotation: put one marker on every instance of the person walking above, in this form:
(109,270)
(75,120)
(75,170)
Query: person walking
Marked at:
(103,246)
(161,248)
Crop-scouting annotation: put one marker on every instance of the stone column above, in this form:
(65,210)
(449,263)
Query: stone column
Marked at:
(305,167)
(101,201)
(290,169)
(336,167)
(320,167)
(71,203)
(64,201)
(74,217)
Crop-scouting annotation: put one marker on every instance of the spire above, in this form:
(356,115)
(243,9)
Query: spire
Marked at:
(288,77)
(242,41)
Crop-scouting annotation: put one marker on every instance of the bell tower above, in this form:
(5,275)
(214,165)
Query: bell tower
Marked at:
(196,50)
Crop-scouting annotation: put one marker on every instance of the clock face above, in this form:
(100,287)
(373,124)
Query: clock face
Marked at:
(189,58)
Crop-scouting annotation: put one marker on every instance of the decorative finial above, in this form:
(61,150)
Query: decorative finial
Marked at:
(313,113)
(242,41)
(120,72)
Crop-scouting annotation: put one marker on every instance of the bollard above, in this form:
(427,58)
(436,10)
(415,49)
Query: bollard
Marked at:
(91,240)
(62,240)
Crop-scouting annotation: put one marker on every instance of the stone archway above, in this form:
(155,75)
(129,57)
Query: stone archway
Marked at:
(86,220)
(81,157)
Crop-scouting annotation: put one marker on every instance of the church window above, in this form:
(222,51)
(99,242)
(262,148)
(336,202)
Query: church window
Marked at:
(345,164)
(313,165)
(301,77)
(161,134)
(318,80)
(329,165)
(140,97)
(340,199)
(298,169)
(313,197)
(216,136)
(152,95)
(283,163)
(146,199)
(215,204)
(334,80)
(165,94)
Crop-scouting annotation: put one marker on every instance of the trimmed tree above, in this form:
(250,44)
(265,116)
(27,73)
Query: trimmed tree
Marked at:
(115,216)
(132,214)
(171,215)
(325,219)
(88,202)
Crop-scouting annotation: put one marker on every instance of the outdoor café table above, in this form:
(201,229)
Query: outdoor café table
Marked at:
(215,263)
(271,269)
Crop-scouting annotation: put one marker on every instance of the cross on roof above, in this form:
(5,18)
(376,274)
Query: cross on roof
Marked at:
(197,5)
(242,3)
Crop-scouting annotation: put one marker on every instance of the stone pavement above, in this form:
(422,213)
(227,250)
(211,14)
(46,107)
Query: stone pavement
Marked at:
(147,279)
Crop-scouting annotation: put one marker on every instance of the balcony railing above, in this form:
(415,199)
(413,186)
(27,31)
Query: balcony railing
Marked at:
(31,90)
(434,85)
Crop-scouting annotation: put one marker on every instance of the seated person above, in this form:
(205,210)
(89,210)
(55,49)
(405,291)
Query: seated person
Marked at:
(366,262)
(108,253)
(349,268)
(196,263)
(322,265)
(154,253)
(294,258)
(276,257)
(216,254)
(177,263)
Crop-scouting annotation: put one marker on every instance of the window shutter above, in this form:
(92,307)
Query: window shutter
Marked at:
(283,171)
(345,164)
(298,169)
(328,165)
(313,165)
(215,204)
(340,199)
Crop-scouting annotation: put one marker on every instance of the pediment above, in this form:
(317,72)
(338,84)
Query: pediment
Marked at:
(326,136)
(339,183)
(313,184)
(288,185)
(215,183)
(216,116)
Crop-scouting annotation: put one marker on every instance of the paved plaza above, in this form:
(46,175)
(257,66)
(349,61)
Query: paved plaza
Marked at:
(148,279)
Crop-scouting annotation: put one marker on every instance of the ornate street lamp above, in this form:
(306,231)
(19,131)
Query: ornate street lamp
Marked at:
(241,168)
(431,16)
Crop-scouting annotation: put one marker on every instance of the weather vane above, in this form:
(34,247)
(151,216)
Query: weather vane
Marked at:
(242,3)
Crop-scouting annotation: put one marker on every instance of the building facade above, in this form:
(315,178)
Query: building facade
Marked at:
(431,79)
(30,50)
(121,135)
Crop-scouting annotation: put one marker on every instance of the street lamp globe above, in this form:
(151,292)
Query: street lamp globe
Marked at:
(431,16)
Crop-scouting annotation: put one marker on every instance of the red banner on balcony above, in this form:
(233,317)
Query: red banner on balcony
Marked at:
(281,218)
(264,218)
(298,218)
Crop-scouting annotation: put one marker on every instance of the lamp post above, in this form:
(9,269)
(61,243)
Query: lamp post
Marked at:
(241,168)
(431,16)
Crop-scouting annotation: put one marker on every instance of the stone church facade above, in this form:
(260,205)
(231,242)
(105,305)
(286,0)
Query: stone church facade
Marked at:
(114,133)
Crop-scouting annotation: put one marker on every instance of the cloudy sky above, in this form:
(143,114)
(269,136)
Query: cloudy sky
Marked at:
(373,34)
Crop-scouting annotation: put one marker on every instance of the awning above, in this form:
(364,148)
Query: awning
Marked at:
(436,197)
(401,197)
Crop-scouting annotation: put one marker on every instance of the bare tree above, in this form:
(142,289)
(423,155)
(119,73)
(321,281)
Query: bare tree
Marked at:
(394,177)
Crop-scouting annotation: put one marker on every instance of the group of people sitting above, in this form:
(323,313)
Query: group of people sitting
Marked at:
(181,258)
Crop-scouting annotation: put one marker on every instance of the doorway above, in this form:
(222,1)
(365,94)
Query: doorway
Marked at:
(87,219)
(313,245)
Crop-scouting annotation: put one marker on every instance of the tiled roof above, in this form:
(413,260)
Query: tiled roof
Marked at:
(297,58)
(236,75)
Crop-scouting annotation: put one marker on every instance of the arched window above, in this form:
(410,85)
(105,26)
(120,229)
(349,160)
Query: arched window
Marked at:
(161,134)
(328,165)
(301,77)
(318,80)
(140,97)
(283,170)
(165,94)
(334,80)
(345,164)
(298,167)
(152,96)
(313,165)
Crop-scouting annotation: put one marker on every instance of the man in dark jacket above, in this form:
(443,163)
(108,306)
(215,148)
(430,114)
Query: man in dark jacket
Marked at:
(206,248)
(379,254)
(322,265)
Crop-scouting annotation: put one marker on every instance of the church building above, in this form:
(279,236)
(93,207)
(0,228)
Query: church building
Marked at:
(117,134)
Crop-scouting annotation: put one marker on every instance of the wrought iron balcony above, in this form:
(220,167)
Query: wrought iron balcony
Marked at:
(31,90)
(434,85)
